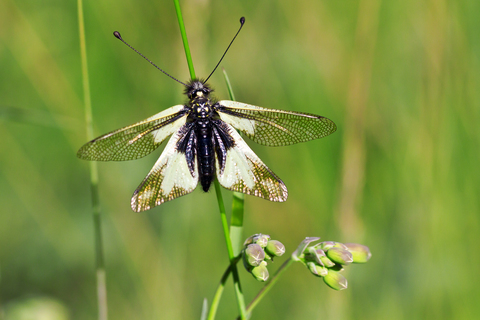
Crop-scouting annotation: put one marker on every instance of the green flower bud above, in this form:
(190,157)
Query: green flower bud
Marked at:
(325,245)
(340,255)
(297,255)
(327,262)
(253,254)
(335,280)
(314,255)
(317,270)
(360,253)
(275,248)
(250,239)
(267,256)
(245,263)
(262,240)
(261,272)
(340,245)
(257,238)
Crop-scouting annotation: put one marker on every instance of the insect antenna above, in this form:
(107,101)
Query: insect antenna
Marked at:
(118,36)
(242,21)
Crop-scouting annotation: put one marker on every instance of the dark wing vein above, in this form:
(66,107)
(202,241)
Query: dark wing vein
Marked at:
(272,127)
(136,140)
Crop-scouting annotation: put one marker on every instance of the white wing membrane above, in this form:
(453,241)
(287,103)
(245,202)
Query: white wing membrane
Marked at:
(136,140)
(271,127)
(169,178)
(245,172)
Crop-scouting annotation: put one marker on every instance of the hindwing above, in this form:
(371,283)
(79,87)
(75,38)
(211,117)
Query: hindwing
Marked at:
(243,171)
(174,174)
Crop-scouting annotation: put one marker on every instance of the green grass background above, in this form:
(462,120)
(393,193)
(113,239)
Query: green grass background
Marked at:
(401,174)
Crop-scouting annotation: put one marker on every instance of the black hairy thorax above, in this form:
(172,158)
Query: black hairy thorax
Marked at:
(205,134)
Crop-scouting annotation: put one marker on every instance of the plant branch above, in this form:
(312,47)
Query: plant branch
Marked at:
(268,286)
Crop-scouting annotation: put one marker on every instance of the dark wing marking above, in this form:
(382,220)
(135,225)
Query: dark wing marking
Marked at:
(136,140)
(243,171)
(272,127)
(170,177)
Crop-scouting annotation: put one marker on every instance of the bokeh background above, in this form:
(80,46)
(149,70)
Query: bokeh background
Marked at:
(401,174)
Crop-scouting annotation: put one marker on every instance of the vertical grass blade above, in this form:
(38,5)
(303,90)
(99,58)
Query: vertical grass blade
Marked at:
(231,256)
(184,39)
(99,260)
(236,222)
(203,316)
(218,293)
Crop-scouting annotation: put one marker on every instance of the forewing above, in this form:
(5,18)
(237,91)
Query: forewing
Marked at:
(272,127)
(244,172)
(169,178)
(136,140)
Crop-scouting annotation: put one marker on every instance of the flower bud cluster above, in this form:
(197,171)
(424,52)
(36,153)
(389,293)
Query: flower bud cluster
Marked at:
(258,251)
(327,259)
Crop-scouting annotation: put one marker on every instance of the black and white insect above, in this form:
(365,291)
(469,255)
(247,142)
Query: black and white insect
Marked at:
(205,145)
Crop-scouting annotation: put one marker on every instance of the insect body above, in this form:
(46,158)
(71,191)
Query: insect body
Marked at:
(204,144)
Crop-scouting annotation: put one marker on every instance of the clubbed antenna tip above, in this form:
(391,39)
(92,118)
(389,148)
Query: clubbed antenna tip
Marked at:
(117,35)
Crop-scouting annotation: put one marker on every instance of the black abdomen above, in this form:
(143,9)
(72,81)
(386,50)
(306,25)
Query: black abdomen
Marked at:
(205,155)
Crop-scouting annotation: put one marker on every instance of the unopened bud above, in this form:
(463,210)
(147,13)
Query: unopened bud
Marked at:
(254,238)
(340,245)
(262,240)
(297,254)
(275,248)
(339,255)
(327,262)
(261,272)
(325,245)
(335,280)
(254,255)
(268,257)
(249,240)
(317,270)
(360,253)
(314,255)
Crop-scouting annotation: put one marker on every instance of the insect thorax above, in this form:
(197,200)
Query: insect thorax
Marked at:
(200,104)
(201,108)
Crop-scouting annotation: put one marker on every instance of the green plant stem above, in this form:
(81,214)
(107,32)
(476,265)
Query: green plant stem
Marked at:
(219,291)
(184,39)
(258,297)
(268,286)
(231,256)
(223,216)
(99,259)
(236,222)
(229,85)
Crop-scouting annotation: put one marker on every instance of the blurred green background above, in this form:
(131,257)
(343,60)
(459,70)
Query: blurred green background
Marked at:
(401,174)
